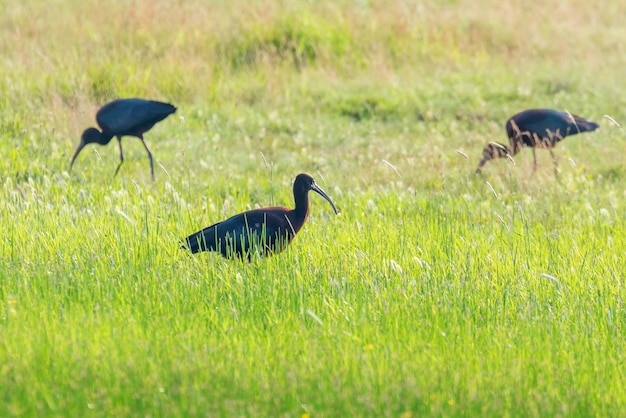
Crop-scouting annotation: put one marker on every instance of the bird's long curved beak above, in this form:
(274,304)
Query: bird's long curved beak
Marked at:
(317,189)
(482,162)
(78,150)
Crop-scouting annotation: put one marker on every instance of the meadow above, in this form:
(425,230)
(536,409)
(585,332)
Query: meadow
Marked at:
(435,292)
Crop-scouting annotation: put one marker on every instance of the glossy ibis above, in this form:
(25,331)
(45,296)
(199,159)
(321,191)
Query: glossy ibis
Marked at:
(268,230)
(536,128)
(125,117)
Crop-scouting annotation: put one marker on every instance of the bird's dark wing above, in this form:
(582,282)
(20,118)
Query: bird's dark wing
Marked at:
(260,226)
(546,122)
(126,116)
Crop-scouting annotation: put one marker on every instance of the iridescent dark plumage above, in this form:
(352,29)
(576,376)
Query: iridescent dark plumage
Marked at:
(536,128)
(125,117)
(266,230)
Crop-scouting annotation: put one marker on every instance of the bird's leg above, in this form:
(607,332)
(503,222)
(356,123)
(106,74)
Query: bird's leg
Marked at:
(119,141)
(149,156)
(534,161)
(556,165)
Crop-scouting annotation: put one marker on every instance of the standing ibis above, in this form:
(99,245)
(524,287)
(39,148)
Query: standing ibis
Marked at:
(536,128)
(125,117)
(267,230)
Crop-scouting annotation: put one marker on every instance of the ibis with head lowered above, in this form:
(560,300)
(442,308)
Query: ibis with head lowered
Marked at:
(536,128)
(125,117)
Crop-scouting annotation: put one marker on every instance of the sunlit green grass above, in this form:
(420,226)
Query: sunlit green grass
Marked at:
(435,291)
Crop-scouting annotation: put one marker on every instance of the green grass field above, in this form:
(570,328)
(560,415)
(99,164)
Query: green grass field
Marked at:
(435,292)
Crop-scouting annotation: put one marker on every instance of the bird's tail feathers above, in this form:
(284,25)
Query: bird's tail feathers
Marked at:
(581,124)
(584,125)
(196,242)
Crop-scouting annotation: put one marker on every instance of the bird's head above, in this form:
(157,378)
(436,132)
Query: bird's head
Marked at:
(493,150)
(90,136)
(304,182)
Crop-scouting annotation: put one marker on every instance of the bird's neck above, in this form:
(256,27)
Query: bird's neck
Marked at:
(515,145)
(299,215)
(94,136)
(104,138)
